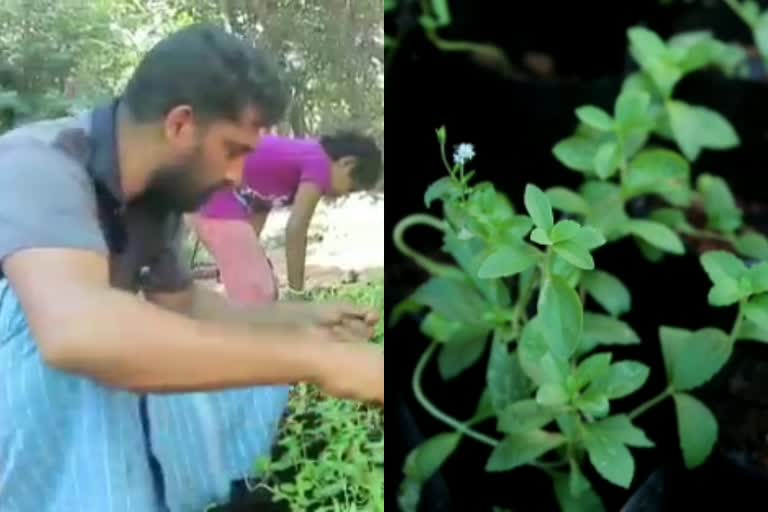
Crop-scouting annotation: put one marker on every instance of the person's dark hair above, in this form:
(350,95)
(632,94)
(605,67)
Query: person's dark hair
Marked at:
(367,172)
(217,73)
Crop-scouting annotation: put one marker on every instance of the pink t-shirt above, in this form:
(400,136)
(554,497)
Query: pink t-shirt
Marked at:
(271,176)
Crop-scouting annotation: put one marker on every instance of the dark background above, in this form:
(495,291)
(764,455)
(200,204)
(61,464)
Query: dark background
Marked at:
(513,126)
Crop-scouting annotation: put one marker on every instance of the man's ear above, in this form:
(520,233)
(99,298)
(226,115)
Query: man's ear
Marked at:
(180,126)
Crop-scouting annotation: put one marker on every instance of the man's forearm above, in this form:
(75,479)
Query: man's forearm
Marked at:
(206,304)
(137,346)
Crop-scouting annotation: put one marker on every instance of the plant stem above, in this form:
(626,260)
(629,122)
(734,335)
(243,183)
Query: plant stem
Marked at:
(737,324)
(651,403)
(522,301)
(399,239)
(437,413)
(711,235)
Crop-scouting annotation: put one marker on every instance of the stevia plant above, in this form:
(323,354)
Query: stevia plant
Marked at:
(435,15)
(519,282)
(757,21)
(625,156)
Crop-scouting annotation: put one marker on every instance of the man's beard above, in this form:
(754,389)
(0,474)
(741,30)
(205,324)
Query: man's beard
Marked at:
(174,189)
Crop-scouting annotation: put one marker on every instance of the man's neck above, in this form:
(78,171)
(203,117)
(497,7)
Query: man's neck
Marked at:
(134,153)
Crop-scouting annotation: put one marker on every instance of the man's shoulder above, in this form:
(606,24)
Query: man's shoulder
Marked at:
(61,142)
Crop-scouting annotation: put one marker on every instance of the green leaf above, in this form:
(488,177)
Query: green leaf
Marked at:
(609,457)
(566,271)
(752,245)
(561,316)
(522,448)
(606,330)
(697,128)
(698,429)
(589,238)
(484,407)
(468,254)
(672,341)
(531,350)
(454,358)
(722,212)
(490,214)
(541,237)
(537,204)
(506,381)
(658,235)
(442,12)
(564,230)
(426,459)
(606,212)
(659,172)
(607,291)
(444,188)
(750,331)
(756,310)
(593,403)
(437,327)
(452,299)
(650,51)
(646,45)
(649,252)
(507,261)
(726,272)
(622,379)
(699,358)
(567,201)
(607,160)
(524,416)
(761,33)
(595,117)
(672,218)
(619,428)
(757,278)
(577,153)
(585,501)
(389,5)
(592,368)
(575,254)
(551,395)
(632,108)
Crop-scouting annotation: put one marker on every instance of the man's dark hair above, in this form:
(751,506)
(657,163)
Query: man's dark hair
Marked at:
(367,172)
(217,73)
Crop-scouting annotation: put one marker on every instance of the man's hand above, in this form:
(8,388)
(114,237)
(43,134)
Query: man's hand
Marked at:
(354,371)
(347,321)
(344,320)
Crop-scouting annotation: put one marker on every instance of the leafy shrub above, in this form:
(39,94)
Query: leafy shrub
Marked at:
(520,281)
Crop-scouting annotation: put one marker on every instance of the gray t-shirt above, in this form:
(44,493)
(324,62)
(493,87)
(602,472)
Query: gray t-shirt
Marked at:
(49,174)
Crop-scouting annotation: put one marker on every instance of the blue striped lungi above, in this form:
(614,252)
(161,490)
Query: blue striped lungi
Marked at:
(69,444)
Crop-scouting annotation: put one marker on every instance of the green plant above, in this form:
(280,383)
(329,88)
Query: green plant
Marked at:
(331,452)
(436,15)
(519,283)
(623,155)
(757,21)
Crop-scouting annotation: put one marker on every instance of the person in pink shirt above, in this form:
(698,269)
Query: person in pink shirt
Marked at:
(281,172)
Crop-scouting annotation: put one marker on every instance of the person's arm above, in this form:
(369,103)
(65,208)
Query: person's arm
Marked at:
(168,283)
(83,326)
(348,322)
(305,202)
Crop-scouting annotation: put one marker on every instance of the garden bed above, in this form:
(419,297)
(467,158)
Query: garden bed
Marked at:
(330,453)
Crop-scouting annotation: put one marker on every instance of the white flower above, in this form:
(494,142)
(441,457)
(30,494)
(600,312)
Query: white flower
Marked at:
(463,154)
